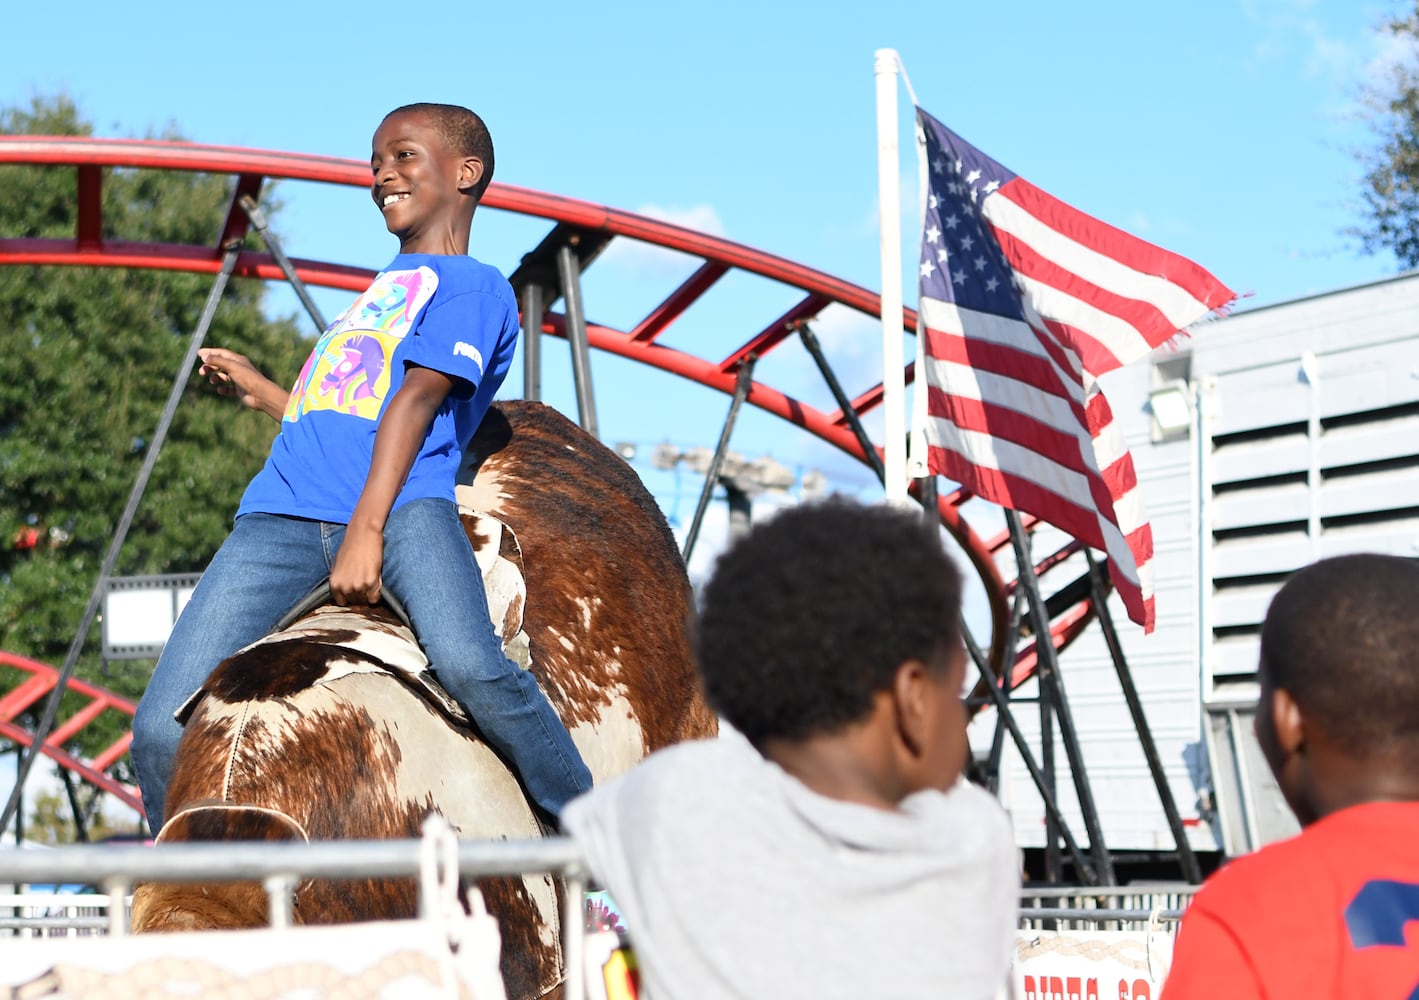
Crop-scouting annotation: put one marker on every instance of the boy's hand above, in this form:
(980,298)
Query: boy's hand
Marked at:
(234,375)
(355,577)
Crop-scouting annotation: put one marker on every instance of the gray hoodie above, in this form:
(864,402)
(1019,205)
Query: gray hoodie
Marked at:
(736,880)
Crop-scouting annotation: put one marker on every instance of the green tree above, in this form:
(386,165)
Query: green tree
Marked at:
(1389,192)
(88,361)
(52,822)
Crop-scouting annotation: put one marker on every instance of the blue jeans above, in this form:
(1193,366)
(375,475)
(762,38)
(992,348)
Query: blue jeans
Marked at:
(268,563)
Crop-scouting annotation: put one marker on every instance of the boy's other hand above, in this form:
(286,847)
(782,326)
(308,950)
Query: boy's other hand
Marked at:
(233,374)
(355,577)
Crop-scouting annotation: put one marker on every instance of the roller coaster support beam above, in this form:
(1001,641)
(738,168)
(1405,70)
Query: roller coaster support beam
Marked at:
(150,459)
(992,683)
(1052,698)
(742,384)
(258,219)
(569,269)
(533,308)
(997,741)
(849,412)
(1186,858)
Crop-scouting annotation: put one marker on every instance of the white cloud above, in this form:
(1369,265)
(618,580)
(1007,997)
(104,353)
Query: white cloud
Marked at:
(847,335)
(1327,56)
(1389,53)
(1292,26)
(702,218)
(1348,64)
(649,260)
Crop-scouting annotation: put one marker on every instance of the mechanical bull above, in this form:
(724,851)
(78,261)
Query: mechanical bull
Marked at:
(333,728)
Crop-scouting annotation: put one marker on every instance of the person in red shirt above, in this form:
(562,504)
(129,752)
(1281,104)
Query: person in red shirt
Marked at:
(1329,912)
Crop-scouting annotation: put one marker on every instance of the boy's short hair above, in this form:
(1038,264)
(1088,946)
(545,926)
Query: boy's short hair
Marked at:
(464,132)
(812,612)
(1342,637)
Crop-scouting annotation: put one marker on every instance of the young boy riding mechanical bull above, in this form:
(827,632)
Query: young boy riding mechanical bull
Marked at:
(359,485)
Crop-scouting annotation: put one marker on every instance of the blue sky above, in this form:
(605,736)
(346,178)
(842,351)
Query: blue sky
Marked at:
(1223,130)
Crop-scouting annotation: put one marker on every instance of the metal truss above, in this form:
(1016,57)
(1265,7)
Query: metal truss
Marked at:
(579,231)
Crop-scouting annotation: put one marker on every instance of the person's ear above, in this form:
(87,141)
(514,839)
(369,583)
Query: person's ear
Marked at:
(909,692)
(470,172)
(1287,721)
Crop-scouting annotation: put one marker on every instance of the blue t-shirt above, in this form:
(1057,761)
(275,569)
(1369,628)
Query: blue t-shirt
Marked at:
(449,313)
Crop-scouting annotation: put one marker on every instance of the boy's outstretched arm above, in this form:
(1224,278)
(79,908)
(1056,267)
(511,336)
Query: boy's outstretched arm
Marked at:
(234,375)
(355,577)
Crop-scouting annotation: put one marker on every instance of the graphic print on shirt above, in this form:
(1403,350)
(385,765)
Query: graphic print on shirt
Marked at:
(348,370)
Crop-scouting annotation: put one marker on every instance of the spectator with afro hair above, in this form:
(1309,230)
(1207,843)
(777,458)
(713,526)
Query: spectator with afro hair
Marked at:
(825,845)
(1324,913)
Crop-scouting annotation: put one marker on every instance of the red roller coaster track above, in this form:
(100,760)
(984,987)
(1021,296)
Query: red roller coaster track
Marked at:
(35,681)
(250,169)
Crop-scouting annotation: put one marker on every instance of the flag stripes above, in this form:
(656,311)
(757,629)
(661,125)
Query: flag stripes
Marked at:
(1025,302)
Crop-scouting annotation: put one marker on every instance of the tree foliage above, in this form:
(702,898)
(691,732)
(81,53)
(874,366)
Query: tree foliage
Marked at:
(90,357)
(1389,192)
(52,822)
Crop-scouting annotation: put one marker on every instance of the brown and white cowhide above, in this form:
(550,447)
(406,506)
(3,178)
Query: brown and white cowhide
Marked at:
(331,729)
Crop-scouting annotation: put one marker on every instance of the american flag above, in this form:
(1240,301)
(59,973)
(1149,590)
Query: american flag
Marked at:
(1024,303)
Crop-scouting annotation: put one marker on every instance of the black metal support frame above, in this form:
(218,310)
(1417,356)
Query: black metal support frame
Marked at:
(83,814)
(550,271)
(815,350)
(533,309)
(744,380)
(140,485)
(1053,700)
(258,220)
(1186,857)
(569,270)
(1002,706)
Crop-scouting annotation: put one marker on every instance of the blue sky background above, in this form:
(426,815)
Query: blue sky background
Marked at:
(1224,130)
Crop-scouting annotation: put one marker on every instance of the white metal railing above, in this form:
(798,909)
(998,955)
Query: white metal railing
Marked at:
(1095,908)
(52,914)
(280,867)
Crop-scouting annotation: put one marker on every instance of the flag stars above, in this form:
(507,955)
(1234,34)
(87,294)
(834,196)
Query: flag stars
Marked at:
(958,258)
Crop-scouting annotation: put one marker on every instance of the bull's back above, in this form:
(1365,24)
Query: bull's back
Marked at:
(608,597)
(305,740)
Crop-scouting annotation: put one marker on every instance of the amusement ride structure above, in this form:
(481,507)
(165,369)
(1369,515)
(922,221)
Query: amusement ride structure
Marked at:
(1040,600)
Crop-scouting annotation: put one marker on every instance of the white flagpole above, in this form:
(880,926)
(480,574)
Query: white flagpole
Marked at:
(916,441)
(894,389)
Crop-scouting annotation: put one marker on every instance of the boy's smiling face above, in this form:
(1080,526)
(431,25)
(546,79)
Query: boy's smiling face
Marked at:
(420,185)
